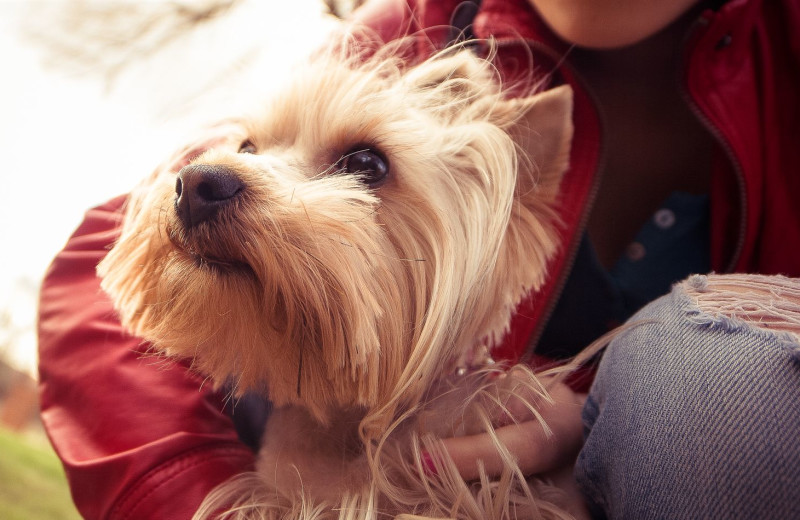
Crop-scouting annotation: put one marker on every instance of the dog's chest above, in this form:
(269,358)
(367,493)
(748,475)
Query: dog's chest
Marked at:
(299,454)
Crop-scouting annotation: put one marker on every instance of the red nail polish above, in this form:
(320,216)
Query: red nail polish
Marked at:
(428,465)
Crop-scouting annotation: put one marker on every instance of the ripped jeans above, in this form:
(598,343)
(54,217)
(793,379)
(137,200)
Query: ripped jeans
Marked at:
(695,413)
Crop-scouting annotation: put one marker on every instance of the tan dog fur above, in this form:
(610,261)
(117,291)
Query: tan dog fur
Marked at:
(352,306)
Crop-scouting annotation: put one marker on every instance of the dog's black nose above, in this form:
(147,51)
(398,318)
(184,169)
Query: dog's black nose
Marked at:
(202,189)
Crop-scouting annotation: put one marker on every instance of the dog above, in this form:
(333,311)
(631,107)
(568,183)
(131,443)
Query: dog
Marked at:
(353,248)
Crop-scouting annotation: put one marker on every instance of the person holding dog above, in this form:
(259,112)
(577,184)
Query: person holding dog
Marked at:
(684,162)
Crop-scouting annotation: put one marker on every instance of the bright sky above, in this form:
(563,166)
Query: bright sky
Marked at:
(67,145)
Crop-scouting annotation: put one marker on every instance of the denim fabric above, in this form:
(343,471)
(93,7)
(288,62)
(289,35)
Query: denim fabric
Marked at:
(693,416)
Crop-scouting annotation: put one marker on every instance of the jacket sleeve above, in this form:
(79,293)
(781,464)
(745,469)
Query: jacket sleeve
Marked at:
(138,438)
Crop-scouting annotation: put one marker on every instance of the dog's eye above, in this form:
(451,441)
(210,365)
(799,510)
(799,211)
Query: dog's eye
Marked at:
(366,163)
(247,147)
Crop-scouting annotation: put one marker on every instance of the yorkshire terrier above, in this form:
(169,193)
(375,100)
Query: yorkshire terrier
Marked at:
(352,249)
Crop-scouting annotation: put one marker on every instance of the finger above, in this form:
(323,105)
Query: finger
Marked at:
(535,448)
(526,399)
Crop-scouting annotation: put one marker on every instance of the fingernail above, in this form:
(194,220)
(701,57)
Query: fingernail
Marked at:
(428,464)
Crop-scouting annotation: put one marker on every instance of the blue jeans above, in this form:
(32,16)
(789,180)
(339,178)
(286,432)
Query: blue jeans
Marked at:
(695,413)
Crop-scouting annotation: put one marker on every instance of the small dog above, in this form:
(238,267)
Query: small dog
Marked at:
(352,250)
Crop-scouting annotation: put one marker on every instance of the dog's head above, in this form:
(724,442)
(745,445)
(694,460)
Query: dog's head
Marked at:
(346,244)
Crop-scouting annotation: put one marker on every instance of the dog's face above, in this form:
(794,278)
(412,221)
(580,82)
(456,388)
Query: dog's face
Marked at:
(349,242)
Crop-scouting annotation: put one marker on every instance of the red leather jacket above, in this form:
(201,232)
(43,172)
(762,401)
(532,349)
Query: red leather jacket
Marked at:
(142,441)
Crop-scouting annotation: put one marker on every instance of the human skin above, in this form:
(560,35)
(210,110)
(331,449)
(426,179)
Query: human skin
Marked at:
(608,24)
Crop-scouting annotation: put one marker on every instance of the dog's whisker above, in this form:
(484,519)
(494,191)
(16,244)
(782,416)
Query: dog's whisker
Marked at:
(365,217)
(308,218)
(376,253)
(327,171)
(230,400)
(204,381)
(300,369)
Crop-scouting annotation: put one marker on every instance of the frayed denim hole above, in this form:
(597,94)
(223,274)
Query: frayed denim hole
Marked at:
(703,318)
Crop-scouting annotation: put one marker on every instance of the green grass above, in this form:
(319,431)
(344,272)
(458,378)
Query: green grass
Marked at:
(32,482)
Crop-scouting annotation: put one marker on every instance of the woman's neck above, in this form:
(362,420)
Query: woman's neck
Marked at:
(651,64)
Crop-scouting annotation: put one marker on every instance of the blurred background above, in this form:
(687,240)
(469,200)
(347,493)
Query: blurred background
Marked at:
(93,95)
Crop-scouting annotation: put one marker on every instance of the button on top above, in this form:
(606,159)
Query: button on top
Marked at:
(664,218)
(635,251)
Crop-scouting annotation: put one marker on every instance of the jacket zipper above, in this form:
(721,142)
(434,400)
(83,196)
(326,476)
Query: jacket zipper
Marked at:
(723,143)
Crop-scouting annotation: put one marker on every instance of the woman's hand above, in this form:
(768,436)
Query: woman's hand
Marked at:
(537,449)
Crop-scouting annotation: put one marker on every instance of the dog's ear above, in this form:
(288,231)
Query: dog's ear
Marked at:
(543,134)
(541,126)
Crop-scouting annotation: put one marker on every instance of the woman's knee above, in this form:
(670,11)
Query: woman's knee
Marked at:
(695,402)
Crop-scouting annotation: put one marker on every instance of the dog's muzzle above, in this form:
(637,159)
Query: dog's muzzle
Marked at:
(202,190)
